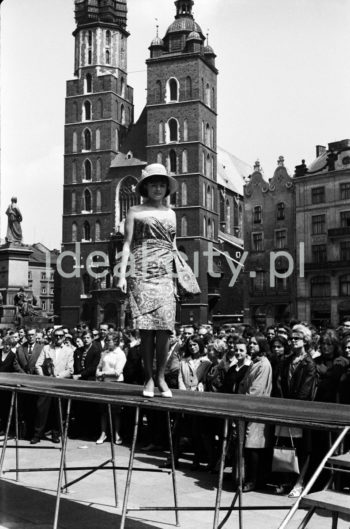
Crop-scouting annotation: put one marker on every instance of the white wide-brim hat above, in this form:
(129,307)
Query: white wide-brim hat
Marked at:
(157,169)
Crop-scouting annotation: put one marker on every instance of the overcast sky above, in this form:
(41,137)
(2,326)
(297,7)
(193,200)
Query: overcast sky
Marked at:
(283,87)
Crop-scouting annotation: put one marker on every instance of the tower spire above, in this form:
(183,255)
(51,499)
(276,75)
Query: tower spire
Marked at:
(184,8)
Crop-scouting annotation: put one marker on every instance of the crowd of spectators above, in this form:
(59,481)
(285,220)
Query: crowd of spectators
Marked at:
(297,361)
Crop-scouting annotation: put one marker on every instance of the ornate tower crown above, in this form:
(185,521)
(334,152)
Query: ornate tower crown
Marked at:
(184,8)
(110,11)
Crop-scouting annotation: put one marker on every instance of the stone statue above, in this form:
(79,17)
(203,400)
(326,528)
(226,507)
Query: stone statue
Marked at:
(14,229)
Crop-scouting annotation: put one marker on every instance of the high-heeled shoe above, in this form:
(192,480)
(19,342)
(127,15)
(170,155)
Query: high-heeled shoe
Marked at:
(147,393)
(166,394)
(101,439)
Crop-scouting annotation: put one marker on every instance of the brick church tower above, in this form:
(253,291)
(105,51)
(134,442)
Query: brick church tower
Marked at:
(99,112)
(181,134)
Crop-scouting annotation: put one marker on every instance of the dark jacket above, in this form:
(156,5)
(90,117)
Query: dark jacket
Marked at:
(23,362)
(88,371)
(303,383)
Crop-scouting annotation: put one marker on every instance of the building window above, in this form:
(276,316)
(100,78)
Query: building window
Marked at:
(318,195)
(208,166)
(208,197)
(257,215)
(30,275)
(108,38)
(344,285)
(87,111)
(212,139)
(183,227)
(318,224)
(210,232)
(172,161)
(43,290)
(320,287)
(184,161)
(259,281)
(87,170)
(97,230)
(281,211)
(319,253)
(345,219)
(280,239)
(183,194)
(185,130)
(207,135)
(203,163)
(258,242)
(88,83)
(116,140)
(344,191)
(98,139)
(98,200)
(87,140)
(43,276)
(98,169)
(207,95)
(74,232)
(158,92)
(172,91)
(161,132)
(86,231)
(74,202)
(204,194)
(345,251)
(159,157)
(212,200)
(122,87)
(188,88)
(74,172)
(43,304)
(204,226)
(122,113)
(213,98)
(173,130)
(87,203)
(75,142)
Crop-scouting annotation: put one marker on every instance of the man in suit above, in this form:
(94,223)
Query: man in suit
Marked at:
(102,341)
(27,354)
(61,359)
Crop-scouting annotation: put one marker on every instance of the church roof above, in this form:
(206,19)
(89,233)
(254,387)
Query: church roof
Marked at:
(232,171)
(126,160)
(184,24)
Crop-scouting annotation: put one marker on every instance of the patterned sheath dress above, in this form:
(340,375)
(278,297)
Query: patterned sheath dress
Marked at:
(150,283)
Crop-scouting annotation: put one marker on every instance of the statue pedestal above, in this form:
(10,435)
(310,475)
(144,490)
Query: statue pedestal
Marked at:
(14,267)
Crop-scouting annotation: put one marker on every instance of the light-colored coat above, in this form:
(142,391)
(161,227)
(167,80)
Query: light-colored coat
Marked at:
(257,382)
(62,358)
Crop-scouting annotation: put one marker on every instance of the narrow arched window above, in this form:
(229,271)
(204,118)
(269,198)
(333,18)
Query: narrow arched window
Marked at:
(183,226)
(173,127)
(173,88)
(88,83)
(75,142)
(173,161)
(213,98)
(203,163)
(212,139)
(97,230)
(98,169)
(184,161)
(212,167)
(74,232)
(98,139)
(188,88)
(207,135)
(203,132)
(74,172)
(158,92)
(183,194)
(122,87)
(208,168)
(98,200)
(87,201)
(207,95)
(161,132)
(204,226)
(185,134)
(74,202)
(87,140)
(116,140)
(108,38)
(87,170)
(89,38)
(210,233)
(122,115)
(86,231)
(208,197)
(204,194)
(87,111)
(108,57)
(212,199)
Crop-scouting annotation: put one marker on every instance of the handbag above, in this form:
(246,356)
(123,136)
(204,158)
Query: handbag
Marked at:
(186,281)
(285,458)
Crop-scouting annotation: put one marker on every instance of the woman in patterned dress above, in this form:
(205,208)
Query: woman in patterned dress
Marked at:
(150,230)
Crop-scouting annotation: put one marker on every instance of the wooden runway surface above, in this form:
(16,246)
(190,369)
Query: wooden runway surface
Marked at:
(261,409)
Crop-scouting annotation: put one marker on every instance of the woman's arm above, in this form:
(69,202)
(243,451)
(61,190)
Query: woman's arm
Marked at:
(128,236)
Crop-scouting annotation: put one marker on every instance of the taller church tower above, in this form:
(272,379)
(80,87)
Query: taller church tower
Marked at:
(99,112)
(181,133)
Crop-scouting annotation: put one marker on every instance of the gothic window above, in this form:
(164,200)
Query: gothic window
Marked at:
(204,226)
(126,197)
(97,230)
(161,132)
(87,111)
(116,140)
(89,56)
(183,226)
(108,38)
(74,232)
(212,167)
(212,139)
(204,194)
(108,57)
(172,90)
(100,109)
(159,157)
(88,83)
(173,161)
(122,87)
(98,139)
(208,168)
(208,197)
(89,38)
(173,130)
(158,92)
(203,163)
(184,161)
(98,169)
(87,140)
(228,217)
(86,231)
(207,95)
(75,142)
(98,200)
(74,172)
(203,91)
(210,232)
(188,88)
(207,135)
(203,132)
(185,130)
(213,98)
(87,203)
(75,112)
(74,201)
(212,199)
(183,194)
(122,115)
(87,170)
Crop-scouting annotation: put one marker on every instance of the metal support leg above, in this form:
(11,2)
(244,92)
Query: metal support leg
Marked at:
(221,475)
(16,435)
(307,518)
(173,470)
(9,419)
(63,458)
(65,489)
(113,453)
(131,461)
(240,462)
(335,517)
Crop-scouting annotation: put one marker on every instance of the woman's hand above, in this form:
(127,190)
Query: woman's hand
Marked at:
(122,285)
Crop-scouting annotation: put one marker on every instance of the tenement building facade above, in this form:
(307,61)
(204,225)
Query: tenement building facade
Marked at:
(105,152)
(323,236)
